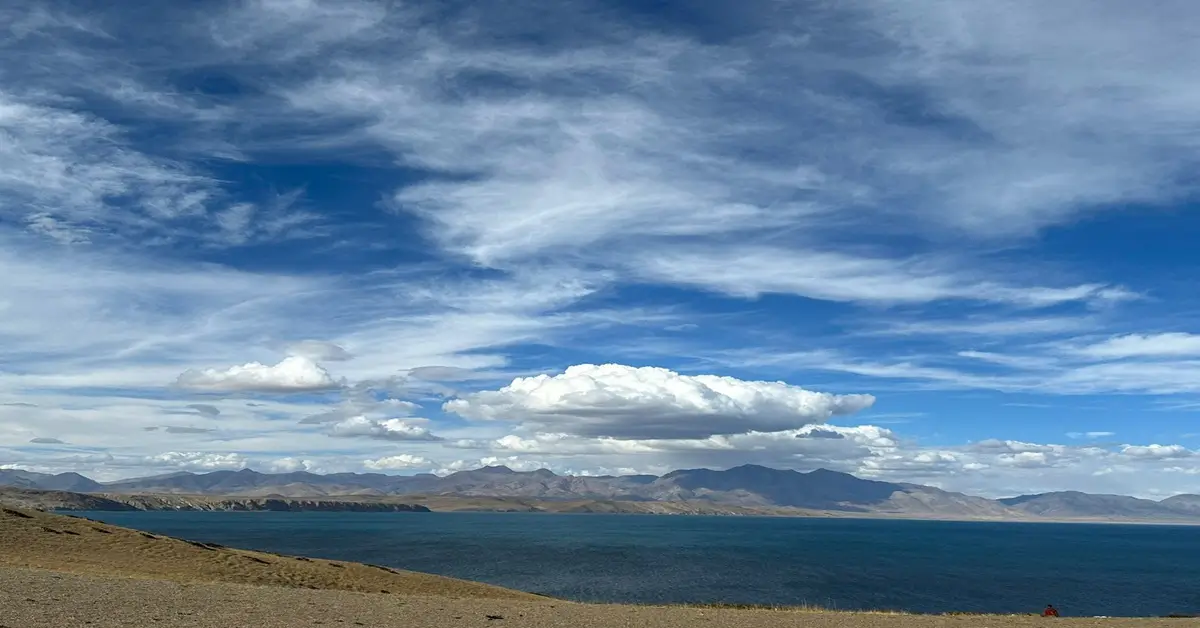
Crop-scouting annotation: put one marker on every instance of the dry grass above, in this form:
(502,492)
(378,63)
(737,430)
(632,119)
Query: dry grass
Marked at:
(44,599)
(46,541)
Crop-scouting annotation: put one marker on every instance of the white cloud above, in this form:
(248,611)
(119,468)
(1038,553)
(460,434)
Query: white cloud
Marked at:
(388,429)
(400,461)
(1040,369)
(64,169)
(289,464)
(866,177)
(1024,459)
(1157,452)
(808,446)
(754,270)
(319,351)
(292,27)
(1013,447)
(440,373)
(198,461)
(638,170)
(1168,345)
(630,402)
(976,326)
(293,374)
(1090,434)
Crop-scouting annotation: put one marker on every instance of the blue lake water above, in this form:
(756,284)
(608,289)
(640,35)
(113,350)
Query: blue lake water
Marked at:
(921,566)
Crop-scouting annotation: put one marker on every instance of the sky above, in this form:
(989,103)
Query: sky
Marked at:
(932,241)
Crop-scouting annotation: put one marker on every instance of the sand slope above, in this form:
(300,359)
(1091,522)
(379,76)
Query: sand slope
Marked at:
(39,599)
(41,540)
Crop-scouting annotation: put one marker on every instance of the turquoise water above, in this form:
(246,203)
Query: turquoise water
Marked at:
(923,566)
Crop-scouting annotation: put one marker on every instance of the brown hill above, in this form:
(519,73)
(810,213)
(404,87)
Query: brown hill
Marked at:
(29,538)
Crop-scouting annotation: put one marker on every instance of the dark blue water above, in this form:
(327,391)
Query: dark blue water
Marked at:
(921,566)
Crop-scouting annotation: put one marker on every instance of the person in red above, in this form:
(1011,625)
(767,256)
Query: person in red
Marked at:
(1050,611)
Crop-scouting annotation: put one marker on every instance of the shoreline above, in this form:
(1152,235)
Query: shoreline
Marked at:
(56,568)
(66,501)
(822,515)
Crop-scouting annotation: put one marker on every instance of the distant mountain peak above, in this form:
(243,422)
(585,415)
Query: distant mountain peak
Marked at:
(499,468)
(745,486)
(830,473)
(757,468)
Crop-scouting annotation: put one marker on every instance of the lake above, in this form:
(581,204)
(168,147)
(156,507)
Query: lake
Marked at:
(921,566)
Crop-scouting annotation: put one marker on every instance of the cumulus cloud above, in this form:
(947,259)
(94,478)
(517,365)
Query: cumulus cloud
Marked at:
(646,402)
(205,409)
(198,461)
(808,447)
(293,374)
(401,461)
(1157,452)
(289,464)
(1024,459)
(388,429)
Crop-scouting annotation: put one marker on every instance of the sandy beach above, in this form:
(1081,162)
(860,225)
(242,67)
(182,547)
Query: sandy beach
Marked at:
(58,571)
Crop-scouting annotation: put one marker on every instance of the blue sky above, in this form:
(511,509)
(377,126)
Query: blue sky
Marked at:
(926,242)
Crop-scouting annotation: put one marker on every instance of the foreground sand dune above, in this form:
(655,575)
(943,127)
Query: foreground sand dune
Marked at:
(65,572)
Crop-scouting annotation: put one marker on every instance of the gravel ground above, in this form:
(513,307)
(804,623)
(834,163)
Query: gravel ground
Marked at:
(33,598)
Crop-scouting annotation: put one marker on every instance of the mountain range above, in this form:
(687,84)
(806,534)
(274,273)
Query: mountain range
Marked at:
(748,489)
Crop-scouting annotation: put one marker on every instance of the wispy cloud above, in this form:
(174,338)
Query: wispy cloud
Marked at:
(467,199)
(1165,345)
(1091,435)
(833,276)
